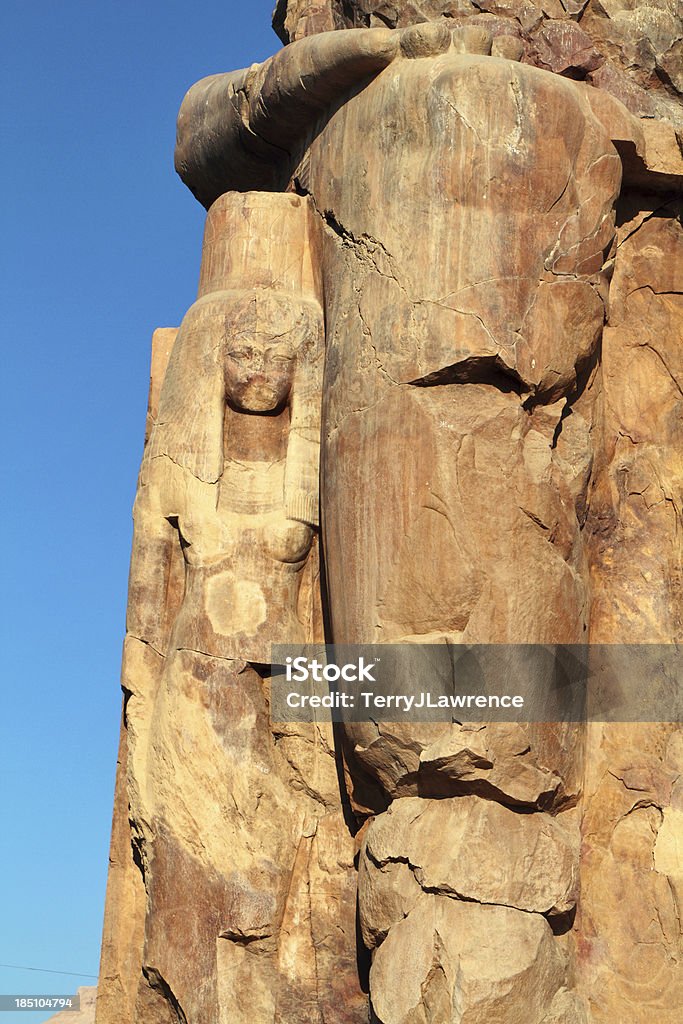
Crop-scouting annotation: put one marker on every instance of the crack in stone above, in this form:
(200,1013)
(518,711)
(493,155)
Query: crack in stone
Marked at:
(657,210)
(647,344)
(439,890)
(147,643)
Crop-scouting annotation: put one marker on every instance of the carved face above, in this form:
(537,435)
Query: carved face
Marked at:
(263,335)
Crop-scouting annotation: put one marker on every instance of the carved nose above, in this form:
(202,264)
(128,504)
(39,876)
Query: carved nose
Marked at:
(251,361)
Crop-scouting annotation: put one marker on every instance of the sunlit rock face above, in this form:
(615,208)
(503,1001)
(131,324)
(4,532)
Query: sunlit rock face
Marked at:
(430,391)
(633,50)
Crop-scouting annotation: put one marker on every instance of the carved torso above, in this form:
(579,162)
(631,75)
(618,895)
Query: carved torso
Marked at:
(243,564)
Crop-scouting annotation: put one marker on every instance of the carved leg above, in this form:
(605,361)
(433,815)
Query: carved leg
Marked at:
(464,302)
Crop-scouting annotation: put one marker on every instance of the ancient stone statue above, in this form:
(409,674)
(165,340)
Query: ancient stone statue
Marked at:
(224,562)
(442,256)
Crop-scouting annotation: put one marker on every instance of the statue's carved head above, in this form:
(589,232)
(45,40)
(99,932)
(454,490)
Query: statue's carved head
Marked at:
(266,336)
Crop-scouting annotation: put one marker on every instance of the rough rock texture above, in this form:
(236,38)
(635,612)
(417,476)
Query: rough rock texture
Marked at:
(632,874)
(485,841)
(457,296)
(632,867)
(449,961)
(632,49)
(639,477)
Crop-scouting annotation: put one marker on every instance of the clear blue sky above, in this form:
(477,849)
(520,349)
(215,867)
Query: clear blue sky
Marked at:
(100,245)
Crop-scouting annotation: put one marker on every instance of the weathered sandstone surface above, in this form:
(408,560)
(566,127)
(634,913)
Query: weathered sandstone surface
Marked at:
(632,49)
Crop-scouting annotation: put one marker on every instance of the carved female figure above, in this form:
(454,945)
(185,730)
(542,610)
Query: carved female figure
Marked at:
(226,519)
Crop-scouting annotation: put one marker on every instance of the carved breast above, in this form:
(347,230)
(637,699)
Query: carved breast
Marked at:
(247,525)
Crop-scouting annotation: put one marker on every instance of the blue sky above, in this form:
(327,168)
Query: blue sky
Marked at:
(100,245)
